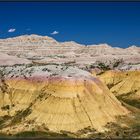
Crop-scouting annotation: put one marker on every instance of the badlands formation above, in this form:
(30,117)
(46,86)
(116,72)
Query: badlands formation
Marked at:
(125,85)
(61,98)
(66,88)
(44,49)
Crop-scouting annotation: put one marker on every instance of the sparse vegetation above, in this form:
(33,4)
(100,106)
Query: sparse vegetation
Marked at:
(135,103)
(46,69)
(103,66)
(86,130)
(6,107)
(117,62)
(3,120)
(108,65)
(42,134)
(21,114)
(110,85)
(125,98)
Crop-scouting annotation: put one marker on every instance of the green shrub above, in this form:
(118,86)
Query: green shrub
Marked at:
(103,66)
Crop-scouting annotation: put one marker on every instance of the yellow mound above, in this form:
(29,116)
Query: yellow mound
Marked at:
(63,103)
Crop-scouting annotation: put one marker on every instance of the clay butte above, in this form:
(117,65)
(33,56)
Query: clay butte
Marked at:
(59,97)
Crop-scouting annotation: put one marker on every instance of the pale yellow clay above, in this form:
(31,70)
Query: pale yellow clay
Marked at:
(123,83)
(64,103)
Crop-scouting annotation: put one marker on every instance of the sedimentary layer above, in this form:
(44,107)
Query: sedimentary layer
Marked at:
(124,84)
(44,49)
(61,98)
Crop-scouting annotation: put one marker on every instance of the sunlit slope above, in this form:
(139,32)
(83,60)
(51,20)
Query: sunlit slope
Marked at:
(124,84)
(70,99)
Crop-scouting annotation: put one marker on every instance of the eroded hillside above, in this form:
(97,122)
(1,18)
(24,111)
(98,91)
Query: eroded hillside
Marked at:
(65,89)
(58,98)
(124,84)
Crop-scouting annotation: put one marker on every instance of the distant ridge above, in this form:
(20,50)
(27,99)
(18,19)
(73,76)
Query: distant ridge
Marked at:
(35,36)
(44,49)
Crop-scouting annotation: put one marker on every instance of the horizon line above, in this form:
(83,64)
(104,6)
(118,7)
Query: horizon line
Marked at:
(88,45)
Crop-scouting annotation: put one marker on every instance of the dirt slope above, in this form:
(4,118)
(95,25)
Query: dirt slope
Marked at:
(124,84)
(56,97)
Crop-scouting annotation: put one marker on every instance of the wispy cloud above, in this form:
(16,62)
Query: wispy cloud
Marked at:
(11,30)
(54,33)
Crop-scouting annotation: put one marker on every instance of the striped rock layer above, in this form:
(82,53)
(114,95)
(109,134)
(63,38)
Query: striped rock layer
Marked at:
(62,102)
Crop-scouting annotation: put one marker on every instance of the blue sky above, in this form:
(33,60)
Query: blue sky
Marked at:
(115,23)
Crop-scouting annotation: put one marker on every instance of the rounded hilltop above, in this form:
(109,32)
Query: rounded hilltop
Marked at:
(65,98)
